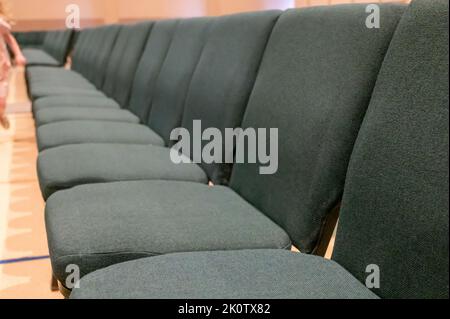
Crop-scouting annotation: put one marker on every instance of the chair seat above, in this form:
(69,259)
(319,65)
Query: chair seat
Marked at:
(68,166)
(39,91)
(39,76)
(52,115)
(39,57)
(35,73)
(250,274)
(74,100)
(81,132)
(95,226)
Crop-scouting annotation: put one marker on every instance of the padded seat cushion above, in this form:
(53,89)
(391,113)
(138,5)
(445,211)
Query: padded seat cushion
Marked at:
(73,100)
(38,77)
(52,115)
(35,72)
(95,226)
(62,80)
(80,132)
(49,90)
(68,166)
(256,274)
(39,57)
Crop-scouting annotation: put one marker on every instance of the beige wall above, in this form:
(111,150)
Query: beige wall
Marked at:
(160,9)
(49,14)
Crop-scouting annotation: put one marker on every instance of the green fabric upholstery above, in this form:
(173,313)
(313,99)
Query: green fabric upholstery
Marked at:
(73,101)
(168,102)
(356,107)
(149,67)
(90,61)
(255,274)
(57,44)
(395,207)
(171,90)
(61,114)
(79,132)
(146,220)
(39,92)
(314,85)
(99,47)
(123,61)
(39,57)
(45,78)
(34,39)
(224,77)
(98,163)
(119,75)
(37,74)
(53,51)
(175,75)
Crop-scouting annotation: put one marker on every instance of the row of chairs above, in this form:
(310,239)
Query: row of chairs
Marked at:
(362,119)
(30,39)
(53,50)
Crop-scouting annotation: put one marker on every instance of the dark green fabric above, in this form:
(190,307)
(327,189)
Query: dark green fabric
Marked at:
(100,46)
(396,205)
(30,38)
(84,57)
(252,274)
(61,114)
(48,81)
(218,49)
(72,165)
(53,51)
(39,76)
(224,77)
(314,85)
(149,67)
(81,48)
(57,43)
(71,101)
(41,91)
(176,74)
(39,57)
(39,73)
(150,218)
(80,132)
(124,60)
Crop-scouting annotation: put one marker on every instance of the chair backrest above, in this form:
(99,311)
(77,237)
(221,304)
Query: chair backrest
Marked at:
(102,45)
(33,39)
(92,52)
(314,86)
(57,44)
(225,75)
(395,211)
(149,67)
(80,48)
(123,61)
(176,74)
(83,50)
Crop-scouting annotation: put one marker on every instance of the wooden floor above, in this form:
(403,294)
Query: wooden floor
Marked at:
(24,266)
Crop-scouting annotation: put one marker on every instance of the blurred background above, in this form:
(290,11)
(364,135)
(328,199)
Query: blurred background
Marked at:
(50,14)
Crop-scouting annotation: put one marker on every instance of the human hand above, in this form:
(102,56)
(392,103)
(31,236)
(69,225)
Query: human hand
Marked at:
(20,60)
(5,27)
